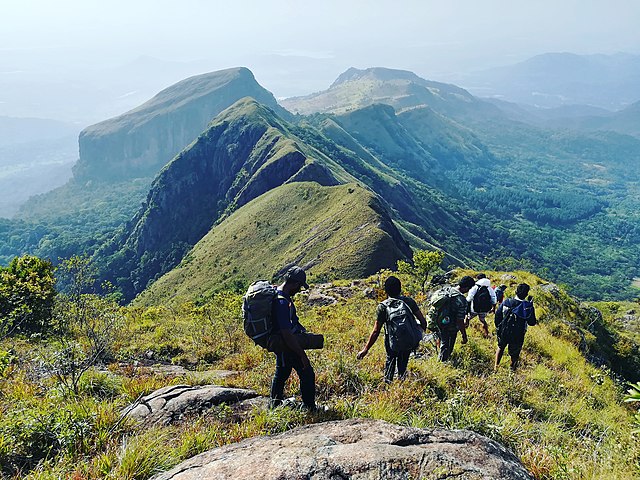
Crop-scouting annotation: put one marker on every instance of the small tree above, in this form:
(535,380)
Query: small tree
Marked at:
(424,262)
(26,295)
(86,325)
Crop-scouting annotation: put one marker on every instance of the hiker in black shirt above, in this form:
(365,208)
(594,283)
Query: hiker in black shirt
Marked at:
(393,288)
(511,320)
(286,322)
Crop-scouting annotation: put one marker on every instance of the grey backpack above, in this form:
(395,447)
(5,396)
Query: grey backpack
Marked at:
(257,310)
(402,330)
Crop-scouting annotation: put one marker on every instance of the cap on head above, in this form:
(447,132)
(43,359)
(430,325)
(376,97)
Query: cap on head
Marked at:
(298,275)
(466,282)
(503,287)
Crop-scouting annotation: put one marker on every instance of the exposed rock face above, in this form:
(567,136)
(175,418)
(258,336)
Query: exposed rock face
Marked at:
(356,449)
(140,142)
(170,404)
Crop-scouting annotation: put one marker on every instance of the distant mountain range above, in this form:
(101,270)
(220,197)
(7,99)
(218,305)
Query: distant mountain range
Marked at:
(552,80)
(394,160)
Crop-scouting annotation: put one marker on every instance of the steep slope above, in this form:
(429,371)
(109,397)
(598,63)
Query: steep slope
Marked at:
(140,142)
(246,151)
(401,89)
(334,232)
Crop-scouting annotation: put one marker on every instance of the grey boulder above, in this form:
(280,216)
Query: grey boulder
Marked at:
(356,449)
(170,404)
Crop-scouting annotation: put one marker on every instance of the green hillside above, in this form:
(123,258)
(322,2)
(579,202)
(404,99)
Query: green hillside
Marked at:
(334,232)
(356,88)
(452,171)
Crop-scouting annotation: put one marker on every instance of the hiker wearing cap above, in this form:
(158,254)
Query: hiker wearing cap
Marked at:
(400,316)
(482,300)
(447,312)
(512,319)
(286,322)
(500,294)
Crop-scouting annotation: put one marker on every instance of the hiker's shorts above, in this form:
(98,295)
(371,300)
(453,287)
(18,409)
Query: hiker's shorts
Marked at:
(481,316)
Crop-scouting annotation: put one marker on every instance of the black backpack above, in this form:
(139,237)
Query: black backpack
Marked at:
(401,326)
(482,300)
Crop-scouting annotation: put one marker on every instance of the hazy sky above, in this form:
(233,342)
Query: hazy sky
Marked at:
(314,41)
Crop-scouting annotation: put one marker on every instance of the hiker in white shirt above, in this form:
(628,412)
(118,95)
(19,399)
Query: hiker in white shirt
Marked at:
(482,300)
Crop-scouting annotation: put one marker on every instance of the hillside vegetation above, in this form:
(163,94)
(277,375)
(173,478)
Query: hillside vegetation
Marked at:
(454,172)
(327,228)
(562,415)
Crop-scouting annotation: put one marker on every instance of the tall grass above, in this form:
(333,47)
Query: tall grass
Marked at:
(564,417)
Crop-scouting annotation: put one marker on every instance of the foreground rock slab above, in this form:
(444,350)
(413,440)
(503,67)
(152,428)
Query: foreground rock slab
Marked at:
(356,449)
(170,404)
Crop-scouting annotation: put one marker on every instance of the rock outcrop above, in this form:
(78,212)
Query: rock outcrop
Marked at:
(170,404)
(356,449)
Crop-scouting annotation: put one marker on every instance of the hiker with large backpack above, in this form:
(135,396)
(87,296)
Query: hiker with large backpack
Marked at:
(512,319)
(400,315)
(287,324)
(482,300)
(447,312)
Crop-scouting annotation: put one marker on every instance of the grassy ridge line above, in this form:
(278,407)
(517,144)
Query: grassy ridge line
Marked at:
(325,227)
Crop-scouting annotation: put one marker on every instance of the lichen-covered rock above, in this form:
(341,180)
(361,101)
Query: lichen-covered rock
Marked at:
(551,288)
(170,404)
(356,449)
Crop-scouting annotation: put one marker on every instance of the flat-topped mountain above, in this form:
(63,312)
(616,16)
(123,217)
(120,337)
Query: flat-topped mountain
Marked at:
(140,142)
(399,88)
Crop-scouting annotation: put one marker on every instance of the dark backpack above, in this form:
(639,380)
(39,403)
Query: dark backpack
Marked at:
(257,310)
(402,330)
(482,300)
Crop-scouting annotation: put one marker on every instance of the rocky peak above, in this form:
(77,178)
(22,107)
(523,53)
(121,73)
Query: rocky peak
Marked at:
(376,73)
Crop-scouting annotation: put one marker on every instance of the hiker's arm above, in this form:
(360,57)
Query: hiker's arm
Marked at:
(494,299)
(421,319)
(372,339)
(499,313)
(291,342)
(461,313)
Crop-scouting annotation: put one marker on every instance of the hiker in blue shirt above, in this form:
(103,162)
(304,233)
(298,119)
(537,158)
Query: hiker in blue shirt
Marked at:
(285,321)
(512,319)
(393,288)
